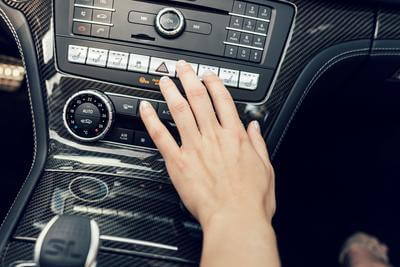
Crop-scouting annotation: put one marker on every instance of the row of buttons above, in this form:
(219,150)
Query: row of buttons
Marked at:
(149,19)
(251,10)
(130,137)
(157,66)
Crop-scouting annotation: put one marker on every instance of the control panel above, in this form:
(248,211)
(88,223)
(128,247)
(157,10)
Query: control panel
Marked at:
(90,116)
(136,42)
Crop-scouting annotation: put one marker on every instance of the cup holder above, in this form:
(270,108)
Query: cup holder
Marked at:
(89,189)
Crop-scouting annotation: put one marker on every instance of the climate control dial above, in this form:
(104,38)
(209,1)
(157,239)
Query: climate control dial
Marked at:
(88,115)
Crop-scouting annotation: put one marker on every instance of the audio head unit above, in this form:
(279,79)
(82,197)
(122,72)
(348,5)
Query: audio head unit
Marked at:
(135,42)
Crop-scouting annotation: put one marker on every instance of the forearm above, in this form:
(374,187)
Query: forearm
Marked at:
(239,240)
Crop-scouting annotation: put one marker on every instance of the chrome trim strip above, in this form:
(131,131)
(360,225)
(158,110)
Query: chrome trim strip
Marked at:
(93,22)
(248,17)
(240,30)
(246,46)
(94,244)
(95,7)
(137,242)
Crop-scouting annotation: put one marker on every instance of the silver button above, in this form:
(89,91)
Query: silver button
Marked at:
(161,66)
(204,68)
(139,63)
(97,57)
(229,77)
(195,68)
(117,60)
(248,80)
(77,54)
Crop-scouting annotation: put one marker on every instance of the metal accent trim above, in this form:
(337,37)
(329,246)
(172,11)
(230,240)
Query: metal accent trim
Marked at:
(248,17)
(246,46)
(240,30)
(95,7)
(137,242)
(93,22)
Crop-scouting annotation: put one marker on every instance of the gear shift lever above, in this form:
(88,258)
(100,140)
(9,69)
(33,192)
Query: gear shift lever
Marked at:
(68,241)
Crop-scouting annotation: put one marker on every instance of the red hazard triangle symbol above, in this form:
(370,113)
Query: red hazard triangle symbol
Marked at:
(163,68)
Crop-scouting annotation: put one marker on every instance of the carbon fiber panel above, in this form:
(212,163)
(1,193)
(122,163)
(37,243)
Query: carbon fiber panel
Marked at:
(18,252)
(389,24)
(135,209)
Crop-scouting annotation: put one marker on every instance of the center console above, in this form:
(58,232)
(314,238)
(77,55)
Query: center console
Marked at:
(99,59)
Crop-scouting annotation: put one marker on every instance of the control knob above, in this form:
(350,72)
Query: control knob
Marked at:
(88,115)
(170,22)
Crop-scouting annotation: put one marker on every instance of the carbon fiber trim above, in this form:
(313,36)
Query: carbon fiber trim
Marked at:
(132,209)
(389,24)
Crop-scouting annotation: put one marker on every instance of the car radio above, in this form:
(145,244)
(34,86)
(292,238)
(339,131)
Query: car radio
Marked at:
(136,42)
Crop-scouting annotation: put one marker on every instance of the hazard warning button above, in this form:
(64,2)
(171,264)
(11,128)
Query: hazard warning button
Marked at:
(163,67)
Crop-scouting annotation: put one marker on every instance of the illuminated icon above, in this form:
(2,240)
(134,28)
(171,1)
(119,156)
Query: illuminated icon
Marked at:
(88,111)
(143,80)
(138,64)
(156,81)
(82,28)
(163,68)
(127,106)
(101,16)
(83,13)
(100,30)
(142,140)
(124,137)
(86,121)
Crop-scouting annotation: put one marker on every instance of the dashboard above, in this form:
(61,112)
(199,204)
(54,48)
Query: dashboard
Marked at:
(90,63)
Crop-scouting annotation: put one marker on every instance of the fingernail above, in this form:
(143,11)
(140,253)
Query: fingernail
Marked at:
(256,125)
(164,79)
(181,63)
(144,105)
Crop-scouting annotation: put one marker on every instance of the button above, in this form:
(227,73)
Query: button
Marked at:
(87,110)
(97,57)
(248,80)
(102,16)
(81,28)
(236,22)
(86,123)
(246,39)
(198,27)
(161,66)
(239,7)
(204,68)
(154,104)
(255,56)
(264,12)
(141,18)
(249,25)
(229,77)
(259,41)
(243,53)
(231,51)
(148,81)
(233,37)
(252,10)
(125,105)
(164,113)
(262,27)
(83,13)
(195,67)
(100,31)
(143,139)
(84,2)
(139,63)
(170,21)
(117,60)
(77,54)
(120,135)
(104,3)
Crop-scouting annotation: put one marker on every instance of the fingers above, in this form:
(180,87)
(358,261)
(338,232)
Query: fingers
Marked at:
(158,132)
(181,112)
(258,142)
(223,102)
(198,97)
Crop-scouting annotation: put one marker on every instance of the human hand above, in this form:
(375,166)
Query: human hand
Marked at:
(221,169)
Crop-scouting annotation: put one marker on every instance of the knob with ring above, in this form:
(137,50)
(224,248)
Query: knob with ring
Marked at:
(88,115)
(170,22)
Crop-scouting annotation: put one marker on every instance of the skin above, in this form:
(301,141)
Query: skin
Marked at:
(221,171)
